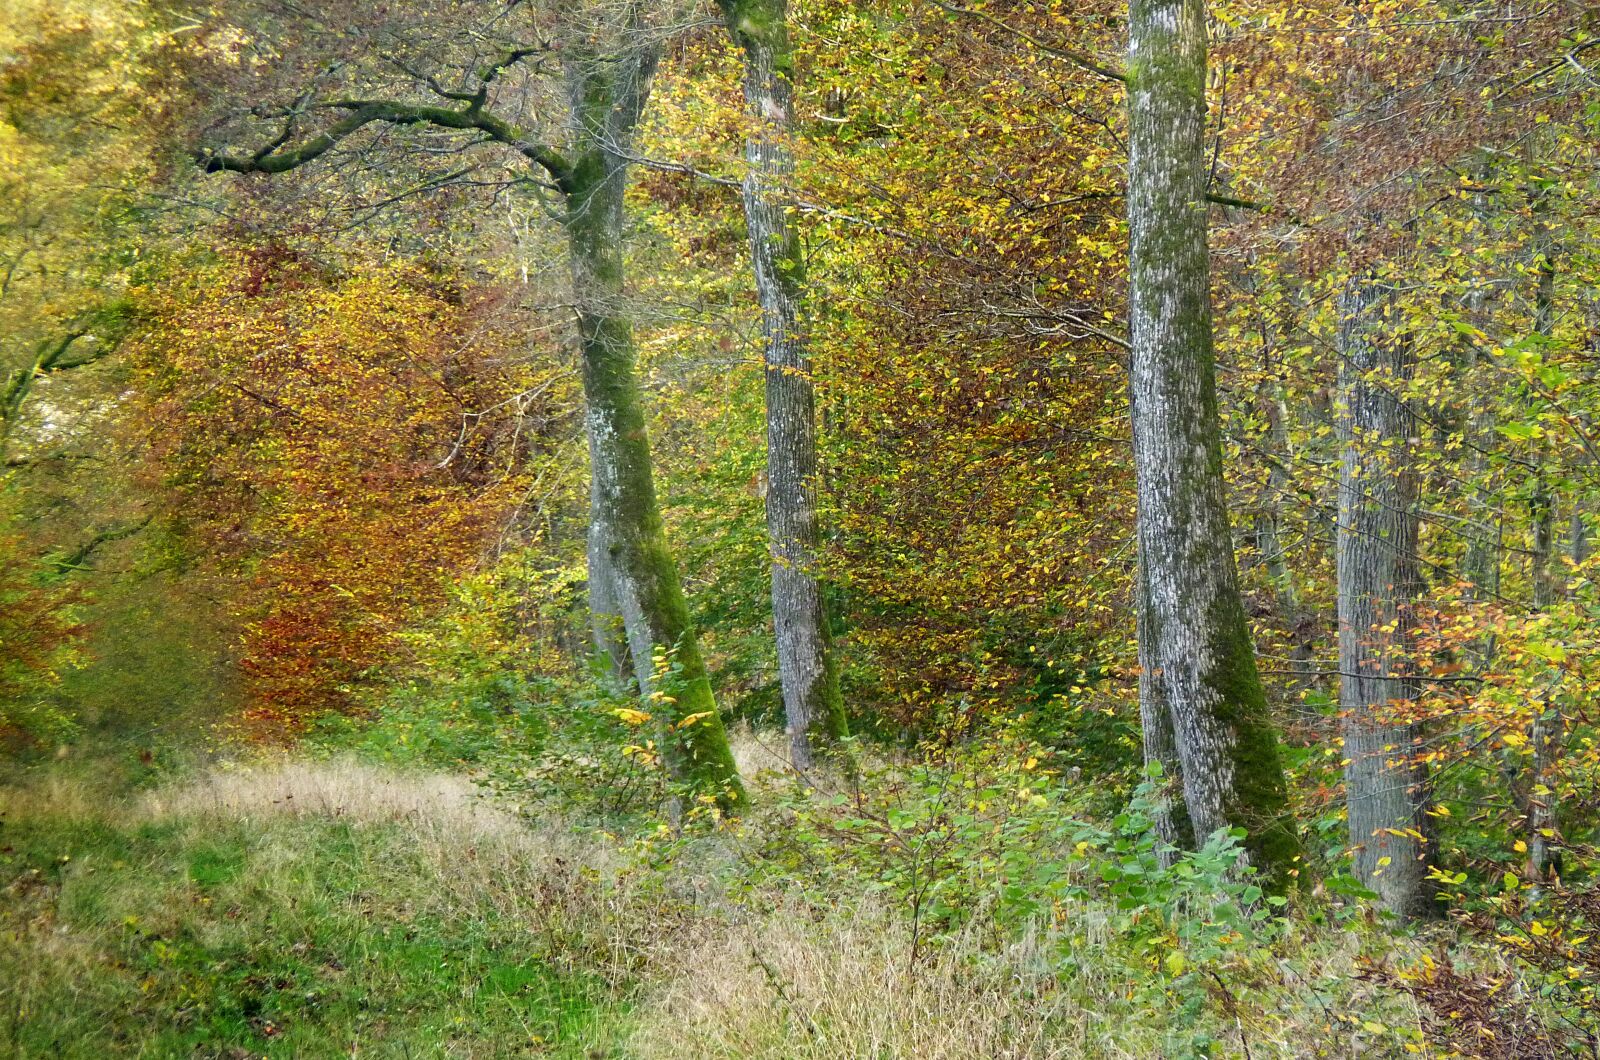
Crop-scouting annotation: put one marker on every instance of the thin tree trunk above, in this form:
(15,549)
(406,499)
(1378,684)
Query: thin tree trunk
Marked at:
(1299,620)
(1480,565)
(1378,583)
(1269,521)
(1549,726)
(608,94)
(813,706)
(1193,620)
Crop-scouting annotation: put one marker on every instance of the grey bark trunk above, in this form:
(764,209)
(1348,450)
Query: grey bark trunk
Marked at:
(1378,583)
(813,706)
(1549,725)
(1480,566)
(1198,643)
(1301,623)
(1269,522)
(633,572)
(605,611)
(1160,741)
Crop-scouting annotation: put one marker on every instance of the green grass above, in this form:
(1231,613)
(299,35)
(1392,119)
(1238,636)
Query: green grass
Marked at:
(276,937)
(305,906)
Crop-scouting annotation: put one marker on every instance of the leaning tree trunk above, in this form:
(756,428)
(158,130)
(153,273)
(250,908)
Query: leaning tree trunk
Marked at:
(1379,578)
(640,582)
(627,534)
(812,703)
(1199,642)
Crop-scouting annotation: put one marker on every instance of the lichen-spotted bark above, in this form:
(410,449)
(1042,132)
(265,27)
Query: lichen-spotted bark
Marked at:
(605,612)
(813,707)
(1379,579)
(637,574)
(1160,741)
(1196,637)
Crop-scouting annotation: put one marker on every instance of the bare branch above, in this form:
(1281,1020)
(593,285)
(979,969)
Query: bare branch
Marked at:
(1076,58)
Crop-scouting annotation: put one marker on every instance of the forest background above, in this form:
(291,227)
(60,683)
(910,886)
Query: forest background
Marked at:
(299,418)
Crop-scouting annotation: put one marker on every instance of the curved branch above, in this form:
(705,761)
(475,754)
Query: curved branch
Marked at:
(489,73)
(275,158)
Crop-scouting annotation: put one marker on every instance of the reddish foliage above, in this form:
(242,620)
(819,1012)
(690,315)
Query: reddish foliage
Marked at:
(345,445)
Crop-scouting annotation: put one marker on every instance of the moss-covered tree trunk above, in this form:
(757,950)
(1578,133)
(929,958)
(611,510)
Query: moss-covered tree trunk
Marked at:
(638,576)
(1379,579)
(813,707)
(1193,621)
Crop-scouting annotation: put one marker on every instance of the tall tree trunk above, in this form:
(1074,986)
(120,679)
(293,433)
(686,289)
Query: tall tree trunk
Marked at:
(633,574)
(1480,565)
(1299,620)
(1193,620)
(1378,583)
(1549,725)
(608,95)
(1269,520)
(812,703)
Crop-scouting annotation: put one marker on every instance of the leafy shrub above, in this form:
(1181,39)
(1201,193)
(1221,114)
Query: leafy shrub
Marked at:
(989,839)
(488,690)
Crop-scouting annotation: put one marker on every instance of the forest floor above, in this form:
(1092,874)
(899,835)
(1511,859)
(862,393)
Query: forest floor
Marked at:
(330,907)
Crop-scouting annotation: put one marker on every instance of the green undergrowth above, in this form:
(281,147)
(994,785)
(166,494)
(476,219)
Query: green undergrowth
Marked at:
(968,904)
(127,933)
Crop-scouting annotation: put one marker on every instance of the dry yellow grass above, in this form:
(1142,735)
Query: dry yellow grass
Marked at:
(54,796)
(479,844)
(341,788)
(787,988)
(760,756)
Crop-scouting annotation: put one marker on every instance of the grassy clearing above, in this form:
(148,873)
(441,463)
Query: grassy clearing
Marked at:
(324,910)
(332,908)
